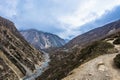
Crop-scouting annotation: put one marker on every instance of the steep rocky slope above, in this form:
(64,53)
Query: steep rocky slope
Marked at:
(42,40)
(80,50)
(17,58)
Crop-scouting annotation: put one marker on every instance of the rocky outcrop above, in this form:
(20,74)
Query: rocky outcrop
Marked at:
(42,40)
(17,57)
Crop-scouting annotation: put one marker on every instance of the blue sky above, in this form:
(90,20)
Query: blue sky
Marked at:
(66,18)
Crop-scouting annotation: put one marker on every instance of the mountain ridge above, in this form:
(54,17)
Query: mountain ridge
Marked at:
(42,40)
(92,34)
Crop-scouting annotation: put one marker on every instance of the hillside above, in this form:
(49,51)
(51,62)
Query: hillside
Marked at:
(42,40)
(18,59)
(100,68)
(81,50)
(95,34)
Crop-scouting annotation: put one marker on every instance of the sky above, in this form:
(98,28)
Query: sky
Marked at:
(66,18)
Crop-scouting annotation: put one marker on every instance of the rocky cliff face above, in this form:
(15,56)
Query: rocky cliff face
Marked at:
(42,40)
(17,58)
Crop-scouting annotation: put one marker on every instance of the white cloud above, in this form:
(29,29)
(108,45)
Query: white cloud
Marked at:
(69,34)
(8,8)
(88,11)
(66,15)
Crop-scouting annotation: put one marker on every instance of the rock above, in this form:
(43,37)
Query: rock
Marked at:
(101,66)
(1,67)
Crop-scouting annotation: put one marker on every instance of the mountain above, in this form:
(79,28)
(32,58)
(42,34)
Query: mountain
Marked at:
(42,40)
(18,59)
(66,61)
(95,34)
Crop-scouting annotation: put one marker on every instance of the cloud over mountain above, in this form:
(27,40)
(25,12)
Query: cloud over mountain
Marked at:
(63,17)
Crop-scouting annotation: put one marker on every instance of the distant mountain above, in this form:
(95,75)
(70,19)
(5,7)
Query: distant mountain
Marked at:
(94,35)
(18,59)
(42,40)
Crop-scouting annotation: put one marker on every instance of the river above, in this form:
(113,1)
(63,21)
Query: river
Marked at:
(39,70)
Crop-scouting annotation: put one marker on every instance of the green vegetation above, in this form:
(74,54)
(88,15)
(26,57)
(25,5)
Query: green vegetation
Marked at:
(117,41)
(117,60)
(96,49)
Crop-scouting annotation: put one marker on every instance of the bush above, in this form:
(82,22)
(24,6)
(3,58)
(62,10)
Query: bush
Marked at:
(117,60)
(117,41)
(97,47)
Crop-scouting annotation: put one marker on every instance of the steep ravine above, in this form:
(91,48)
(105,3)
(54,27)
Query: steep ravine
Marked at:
(40,69)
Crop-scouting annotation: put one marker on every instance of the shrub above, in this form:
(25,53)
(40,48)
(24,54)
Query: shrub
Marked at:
(117,41)
(94,50)
(97,47)
(117,60)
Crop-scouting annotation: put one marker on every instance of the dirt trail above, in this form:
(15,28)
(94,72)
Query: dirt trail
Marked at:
(100,68)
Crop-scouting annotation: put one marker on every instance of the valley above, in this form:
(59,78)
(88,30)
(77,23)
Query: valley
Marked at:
(59,39)
(81,50)
(36,55)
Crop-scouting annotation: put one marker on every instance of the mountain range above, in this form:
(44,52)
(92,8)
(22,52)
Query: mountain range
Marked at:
(93,55)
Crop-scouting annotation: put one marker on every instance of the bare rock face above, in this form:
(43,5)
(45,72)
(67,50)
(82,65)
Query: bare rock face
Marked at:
(42,40)
(17,57)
